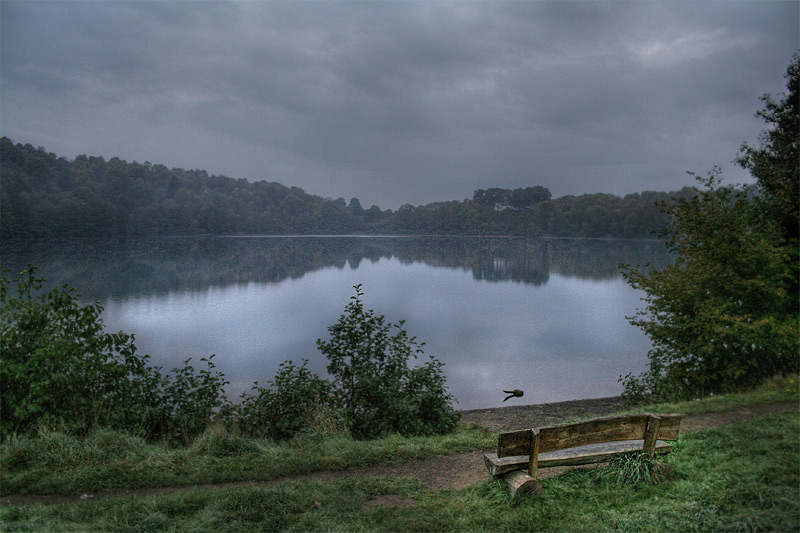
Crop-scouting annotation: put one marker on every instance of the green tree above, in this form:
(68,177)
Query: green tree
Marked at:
(528,197)
(717,316)
(776,166)
(724,315)
(776,163)
(377,390)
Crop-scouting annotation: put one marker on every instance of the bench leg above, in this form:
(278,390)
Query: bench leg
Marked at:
(533,462)
(651,435)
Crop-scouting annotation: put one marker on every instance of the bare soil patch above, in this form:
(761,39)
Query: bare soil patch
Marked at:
(390,500)
(454,471)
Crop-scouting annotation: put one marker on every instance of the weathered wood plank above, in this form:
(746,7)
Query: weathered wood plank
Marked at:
(651,434)
(520,483)
(593,431)
(593,453)
(605,429)
(670,427)
(533,460)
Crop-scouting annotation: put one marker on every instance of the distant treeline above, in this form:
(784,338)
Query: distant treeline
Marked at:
(43,195)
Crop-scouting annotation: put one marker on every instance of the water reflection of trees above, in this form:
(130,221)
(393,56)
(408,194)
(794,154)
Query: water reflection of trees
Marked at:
(123,268)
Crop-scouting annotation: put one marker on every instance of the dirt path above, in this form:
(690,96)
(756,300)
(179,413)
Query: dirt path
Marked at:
(452,471)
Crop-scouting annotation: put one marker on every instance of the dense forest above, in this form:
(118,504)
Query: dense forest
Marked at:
(43,195)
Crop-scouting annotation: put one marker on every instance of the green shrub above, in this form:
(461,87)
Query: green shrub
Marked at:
(59,365)
(373,391)
(373,384)
(189,400)
(424,404)
(286,406)
(60,368)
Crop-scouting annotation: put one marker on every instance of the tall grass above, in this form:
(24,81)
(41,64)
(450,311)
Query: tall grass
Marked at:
(635,469)
(51,462)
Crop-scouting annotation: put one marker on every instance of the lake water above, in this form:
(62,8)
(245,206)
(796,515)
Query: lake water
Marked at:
(545,316)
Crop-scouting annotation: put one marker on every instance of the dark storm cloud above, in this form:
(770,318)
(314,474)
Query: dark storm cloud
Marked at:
(397,102)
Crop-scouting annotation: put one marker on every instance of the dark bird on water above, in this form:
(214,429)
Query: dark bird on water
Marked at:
(516,393)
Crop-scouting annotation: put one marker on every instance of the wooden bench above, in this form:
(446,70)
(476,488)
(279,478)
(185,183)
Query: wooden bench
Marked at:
(591,441)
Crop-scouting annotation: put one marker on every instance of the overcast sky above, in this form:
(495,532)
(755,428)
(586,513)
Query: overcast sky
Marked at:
(400,102)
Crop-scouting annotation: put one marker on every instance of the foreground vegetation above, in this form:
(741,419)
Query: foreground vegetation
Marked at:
(61,369)
(744,476)
(52,462)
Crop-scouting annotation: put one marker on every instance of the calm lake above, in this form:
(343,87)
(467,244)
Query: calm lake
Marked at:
(545,316)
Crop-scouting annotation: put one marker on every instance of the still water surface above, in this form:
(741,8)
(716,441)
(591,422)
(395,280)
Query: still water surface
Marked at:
(545,316)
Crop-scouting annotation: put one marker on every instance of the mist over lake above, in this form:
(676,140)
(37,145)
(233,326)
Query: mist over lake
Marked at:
(545,316)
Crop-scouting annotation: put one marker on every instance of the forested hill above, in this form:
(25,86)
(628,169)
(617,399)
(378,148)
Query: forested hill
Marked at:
(43,195)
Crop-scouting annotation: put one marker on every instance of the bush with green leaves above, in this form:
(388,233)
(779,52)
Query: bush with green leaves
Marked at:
(59,368)
(373,384)
(289,404)
(373,390)
(189,400)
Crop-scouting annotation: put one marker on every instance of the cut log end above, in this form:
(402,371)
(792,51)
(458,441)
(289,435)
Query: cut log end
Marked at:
(520,482)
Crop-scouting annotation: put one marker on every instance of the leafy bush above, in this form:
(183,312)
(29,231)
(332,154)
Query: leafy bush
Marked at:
(290,403)
(373,384)
(189,400)
(373,391)
(59,368)
(425,405)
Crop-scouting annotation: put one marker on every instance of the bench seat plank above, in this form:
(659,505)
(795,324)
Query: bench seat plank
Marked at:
(592,453)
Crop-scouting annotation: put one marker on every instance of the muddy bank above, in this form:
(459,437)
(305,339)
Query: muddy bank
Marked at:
(516,417)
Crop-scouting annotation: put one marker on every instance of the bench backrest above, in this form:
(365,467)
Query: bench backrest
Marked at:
(594,431)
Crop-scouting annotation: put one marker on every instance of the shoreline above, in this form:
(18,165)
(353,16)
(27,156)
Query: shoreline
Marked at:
(513,417)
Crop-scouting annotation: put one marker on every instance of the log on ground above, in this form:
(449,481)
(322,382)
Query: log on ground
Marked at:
(520,482)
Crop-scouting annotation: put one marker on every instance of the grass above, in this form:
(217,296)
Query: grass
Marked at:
(635,469)
(775,390)
(739,477)
(51,462)
(744,476)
